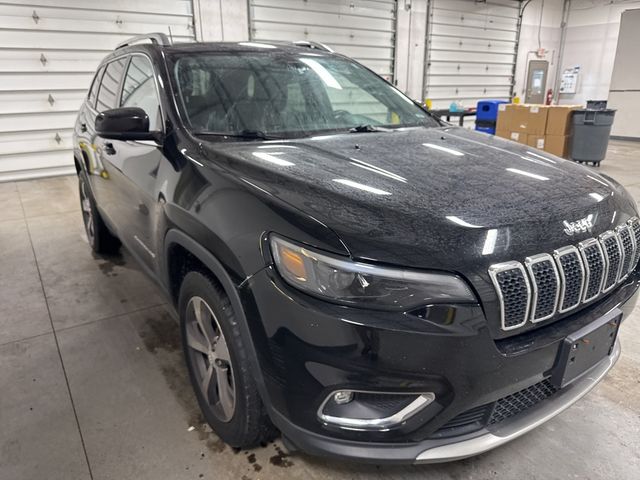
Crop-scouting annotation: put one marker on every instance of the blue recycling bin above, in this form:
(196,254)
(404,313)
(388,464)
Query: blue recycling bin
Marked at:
(487,115)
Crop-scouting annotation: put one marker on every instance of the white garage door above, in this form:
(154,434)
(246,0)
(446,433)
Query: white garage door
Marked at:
(471,50)
(362,29)
(49,50)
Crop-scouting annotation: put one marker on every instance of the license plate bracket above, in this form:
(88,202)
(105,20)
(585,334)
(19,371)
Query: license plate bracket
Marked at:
(583,349)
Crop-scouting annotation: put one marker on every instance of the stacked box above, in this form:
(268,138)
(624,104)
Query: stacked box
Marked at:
(543,127)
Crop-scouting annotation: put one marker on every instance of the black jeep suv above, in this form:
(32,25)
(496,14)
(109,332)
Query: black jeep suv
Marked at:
(347,269)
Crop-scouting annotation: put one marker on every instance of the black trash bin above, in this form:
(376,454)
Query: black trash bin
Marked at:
(591,130)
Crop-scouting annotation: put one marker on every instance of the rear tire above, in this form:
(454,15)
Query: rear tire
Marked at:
(218,364)
(100,239)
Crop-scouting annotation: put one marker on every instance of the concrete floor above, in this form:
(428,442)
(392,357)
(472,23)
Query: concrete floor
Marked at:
(92,382)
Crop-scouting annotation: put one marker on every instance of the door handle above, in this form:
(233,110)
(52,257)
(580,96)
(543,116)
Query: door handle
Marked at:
(108,148)
(83,127)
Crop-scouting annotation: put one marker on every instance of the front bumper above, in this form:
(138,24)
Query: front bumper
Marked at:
(307,349)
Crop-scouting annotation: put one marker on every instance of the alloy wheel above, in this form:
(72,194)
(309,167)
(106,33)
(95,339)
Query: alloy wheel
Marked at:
(210,358)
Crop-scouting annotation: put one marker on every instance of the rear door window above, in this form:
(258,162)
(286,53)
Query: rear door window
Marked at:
(110,84)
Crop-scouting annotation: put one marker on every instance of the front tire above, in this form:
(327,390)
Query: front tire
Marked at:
(218,364)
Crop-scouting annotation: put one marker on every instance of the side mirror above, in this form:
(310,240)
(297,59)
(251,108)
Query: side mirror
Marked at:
(128,123)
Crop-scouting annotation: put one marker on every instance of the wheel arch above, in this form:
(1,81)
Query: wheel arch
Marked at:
(205,259)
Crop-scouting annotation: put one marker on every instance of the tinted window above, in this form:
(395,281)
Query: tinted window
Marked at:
(94,87)
(287,94)
(139,90)
(109,86)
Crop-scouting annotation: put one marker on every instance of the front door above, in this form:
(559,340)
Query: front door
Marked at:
(536,81)
(134,165)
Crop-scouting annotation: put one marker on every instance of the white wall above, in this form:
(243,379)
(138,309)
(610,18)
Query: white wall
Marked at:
(592,37)
(549,40)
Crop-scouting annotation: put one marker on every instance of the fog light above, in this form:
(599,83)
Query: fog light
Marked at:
(342,397)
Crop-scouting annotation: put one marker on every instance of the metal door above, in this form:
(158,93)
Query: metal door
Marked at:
(362,29)
(471,51)
(50,51)
(536,81)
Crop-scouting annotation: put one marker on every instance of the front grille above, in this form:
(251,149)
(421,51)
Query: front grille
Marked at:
(495,412)
(518,402)
(572,276)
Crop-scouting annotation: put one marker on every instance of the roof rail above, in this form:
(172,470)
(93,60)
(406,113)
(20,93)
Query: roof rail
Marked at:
(314,45)
(156,38)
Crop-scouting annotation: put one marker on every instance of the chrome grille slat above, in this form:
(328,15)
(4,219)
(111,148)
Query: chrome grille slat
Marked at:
(548,285)
(545,283)
(594,264)
(612,255)
(571,275)
(514,291)
(634,223)
(627,246)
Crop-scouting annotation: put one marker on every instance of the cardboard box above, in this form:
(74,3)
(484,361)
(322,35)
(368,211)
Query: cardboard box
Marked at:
(503,121)
(536,141)
(503,133)
(518,137)
(557,145)
(559,119)
(529,119)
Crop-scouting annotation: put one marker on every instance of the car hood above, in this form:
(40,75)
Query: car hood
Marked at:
(444,198)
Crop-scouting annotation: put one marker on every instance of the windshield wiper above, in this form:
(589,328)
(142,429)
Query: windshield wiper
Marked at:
(368,128)
(251,134)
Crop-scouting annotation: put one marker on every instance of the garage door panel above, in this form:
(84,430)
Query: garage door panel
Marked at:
(45,81)
(476,19)
(48,60)
(452,67)
(504,8)
(12,61)
(41,102)
(17,24)
(38,142)
(362,29)
(378,45)
(173,7)
(65,40)
(324,19)
(483,46)
(36,164)
(372,9)
(28,121)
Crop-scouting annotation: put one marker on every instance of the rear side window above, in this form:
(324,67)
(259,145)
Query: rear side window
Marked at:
(110,84)
(139,90)
(93,93)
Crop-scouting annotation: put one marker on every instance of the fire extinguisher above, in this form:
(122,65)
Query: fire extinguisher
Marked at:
(549,97)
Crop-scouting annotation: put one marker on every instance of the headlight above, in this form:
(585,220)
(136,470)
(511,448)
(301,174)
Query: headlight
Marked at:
(360,284)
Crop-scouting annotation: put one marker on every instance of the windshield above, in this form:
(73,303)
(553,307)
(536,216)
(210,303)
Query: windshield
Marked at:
(286,95)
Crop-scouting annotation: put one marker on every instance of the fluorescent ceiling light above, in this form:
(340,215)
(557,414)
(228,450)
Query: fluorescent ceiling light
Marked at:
(526,174)
(272,158)
(461,222)
(360,186)
(444,149)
